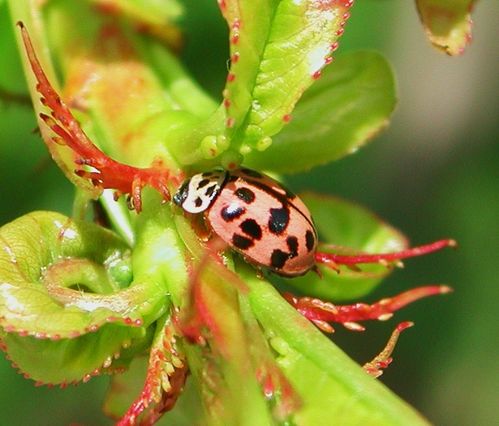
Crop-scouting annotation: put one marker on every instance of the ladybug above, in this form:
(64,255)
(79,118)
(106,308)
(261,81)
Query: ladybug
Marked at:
(256,216)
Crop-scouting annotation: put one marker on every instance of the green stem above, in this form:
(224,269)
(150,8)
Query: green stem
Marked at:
(309,348)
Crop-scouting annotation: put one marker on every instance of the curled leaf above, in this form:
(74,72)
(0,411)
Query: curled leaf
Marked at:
(62,278)
(66,294)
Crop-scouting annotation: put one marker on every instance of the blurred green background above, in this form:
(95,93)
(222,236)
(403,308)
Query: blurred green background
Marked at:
(434,173)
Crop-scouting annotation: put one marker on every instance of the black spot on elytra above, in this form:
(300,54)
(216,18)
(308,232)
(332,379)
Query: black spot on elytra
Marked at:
(309,240)
(251,228)
(229,213)
(278,258)
(210,189)
(245,194)
(198,201)
(241,242)
(252,173)
(203,183)
(292,246)
(278,220)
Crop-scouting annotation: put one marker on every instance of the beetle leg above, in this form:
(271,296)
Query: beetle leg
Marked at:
(384,358)
(106,172)
(332,260)
(322,314)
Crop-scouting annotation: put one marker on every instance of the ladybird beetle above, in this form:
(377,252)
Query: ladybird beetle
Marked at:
(269,225)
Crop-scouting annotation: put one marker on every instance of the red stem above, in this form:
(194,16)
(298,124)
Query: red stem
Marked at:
(123,178)
(331,260)
(318,310)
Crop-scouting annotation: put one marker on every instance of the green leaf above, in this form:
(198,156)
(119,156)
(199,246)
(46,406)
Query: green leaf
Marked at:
(160,260)
(332,387)
(350,104)
(225,365)
(350,229)
(60,279)
(68,361)
(278,49)
(447,23)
